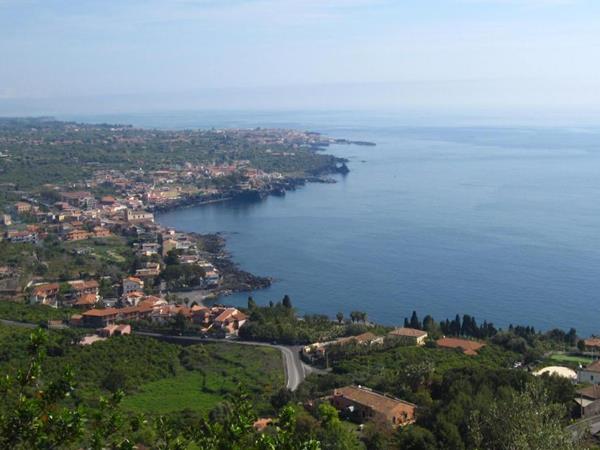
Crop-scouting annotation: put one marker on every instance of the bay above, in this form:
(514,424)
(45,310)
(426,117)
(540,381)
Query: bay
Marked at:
(498,222)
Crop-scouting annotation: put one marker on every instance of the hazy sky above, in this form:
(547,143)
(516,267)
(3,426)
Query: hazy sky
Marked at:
(95,56)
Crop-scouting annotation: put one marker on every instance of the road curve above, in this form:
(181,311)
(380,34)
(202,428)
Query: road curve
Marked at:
(295,370)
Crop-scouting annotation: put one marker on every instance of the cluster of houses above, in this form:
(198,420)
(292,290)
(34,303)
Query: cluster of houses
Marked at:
(133,305)
(78,293)
(361,404)
(216,320)
(409,336)
(80,216)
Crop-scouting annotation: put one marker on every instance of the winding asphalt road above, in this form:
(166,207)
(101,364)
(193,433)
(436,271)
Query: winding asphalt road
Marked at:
(295,370)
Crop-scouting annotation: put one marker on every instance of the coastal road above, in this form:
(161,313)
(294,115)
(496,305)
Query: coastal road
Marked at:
(295,370)
(18,324)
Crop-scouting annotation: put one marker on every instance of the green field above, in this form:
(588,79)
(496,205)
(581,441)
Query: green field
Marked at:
(182,392)
(212,372)
(561,357)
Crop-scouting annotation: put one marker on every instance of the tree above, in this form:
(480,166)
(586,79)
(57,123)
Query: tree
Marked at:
(251,303)
(180,323)
(281,398)
(455,326)
(358,316)
(30,416)
(33,413)
(526,420)
(287,302)
(414,437)
(115,380)
(65,290)
(333,435)
(233,428)
(414,321)
(571,337)
(428,323)
(340,317)
(172,257)
(581,345)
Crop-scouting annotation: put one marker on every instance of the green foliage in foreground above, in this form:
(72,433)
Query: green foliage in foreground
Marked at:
(33,415)
(158,377)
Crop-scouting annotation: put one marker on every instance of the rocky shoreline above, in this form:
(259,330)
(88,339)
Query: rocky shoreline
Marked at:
(276,188)
(234,279)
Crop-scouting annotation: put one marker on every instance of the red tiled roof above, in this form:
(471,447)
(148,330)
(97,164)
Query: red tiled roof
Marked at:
(593,367)
(592,342)
(229,312)
(262,423)
(45,288)
(468,347)
(101,312)
(380,403)
(87,299)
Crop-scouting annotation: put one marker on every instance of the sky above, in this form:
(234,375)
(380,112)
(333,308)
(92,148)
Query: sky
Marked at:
(94,56)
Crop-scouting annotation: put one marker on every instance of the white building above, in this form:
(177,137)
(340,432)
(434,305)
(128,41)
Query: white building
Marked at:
(131,284)
(590,374)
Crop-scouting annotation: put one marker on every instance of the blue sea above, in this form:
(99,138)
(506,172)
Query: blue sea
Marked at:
(502,223)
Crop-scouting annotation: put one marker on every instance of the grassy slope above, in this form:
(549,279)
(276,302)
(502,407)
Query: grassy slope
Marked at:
(570,359)
(225,366)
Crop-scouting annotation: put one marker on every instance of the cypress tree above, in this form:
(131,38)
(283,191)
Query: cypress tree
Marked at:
(414,321)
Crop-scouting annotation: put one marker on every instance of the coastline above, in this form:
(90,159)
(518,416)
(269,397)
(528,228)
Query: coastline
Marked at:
(235,279)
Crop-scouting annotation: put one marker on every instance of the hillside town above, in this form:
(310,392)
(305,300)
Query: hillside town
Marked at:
(93,242)
(87,256)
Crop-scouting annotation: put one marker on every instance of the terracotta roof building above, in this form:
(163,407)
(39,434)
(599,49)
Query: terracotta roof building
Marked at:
(468,347)
(410,335)
(363,404)
(86,301)
(45,294)
(592,344)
